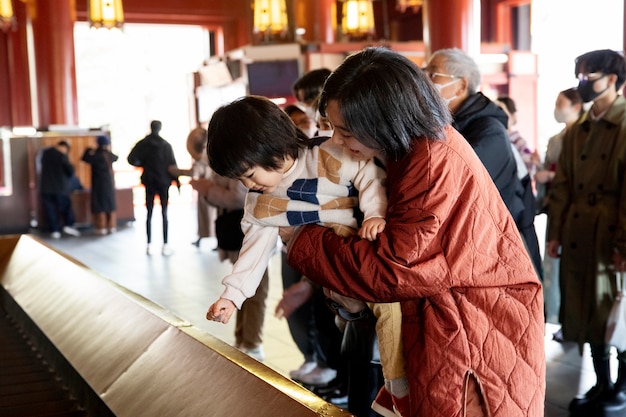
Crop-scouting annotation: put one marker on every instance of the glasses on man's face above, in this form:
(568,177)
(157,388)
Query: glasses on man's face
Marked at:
(434,75)
(591,76)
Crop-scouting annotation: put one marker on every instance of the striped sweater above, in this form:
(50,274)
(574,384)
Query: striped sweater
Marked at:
(325,186)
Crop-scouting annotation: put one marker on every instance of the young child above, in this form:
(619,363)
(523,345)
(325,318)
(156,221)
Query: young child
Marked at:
(292,183)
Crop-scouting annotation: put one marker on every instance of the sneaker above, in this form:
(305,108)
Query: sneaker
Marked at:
(55,235)
(166,251)
(336,392)
(387,405)
(383,404)
(100,232)
(149,249)
(256,353)
(319,376)
(305,368)
(69,230)
(112,230)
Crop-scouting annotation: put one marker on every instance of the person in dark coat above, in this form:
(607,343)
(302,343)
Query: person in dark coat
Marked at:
(156,156)
(56,172)
(484,126)
(103,204)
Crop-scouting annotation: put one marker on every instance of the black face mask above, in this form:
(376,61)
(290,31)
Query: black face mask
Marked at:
(585,89)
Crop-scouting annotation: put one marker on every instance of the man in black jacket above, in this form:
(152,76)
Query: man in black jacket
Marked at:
(156,156)
(56,172)
(484,126)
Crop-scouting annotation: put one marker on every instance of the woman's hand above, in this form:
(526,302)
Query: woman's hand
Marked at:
(619,261)
(294,297)
(201,185)
(552,248)
(544,176)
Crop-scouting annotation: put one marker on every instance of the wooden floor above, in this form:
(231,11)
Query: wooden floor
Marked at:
(188,281)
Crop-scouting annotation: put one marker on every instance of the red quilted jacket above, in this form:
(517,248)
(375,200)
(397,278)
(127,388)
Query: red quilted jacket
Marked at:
(451,254)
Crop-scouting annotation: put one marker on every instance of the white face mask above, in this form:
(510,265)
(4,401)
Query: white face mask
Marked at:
(563,115)
(440,87)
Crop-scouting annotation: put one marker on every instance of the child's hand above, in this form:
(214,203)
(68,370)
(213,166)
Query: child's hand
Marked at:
(371,228)
(221,310)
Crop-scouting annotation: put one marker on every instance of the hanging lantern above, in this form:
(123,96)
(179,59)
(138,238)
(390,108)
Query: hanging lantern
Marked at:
(105,13)
(270,16)
(402,5)
(358,18)
(7,20)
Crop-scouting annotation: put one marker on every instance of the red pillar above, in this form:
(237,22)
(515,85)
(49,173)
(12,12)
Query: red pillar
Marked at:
(5,82)
(21,103)
(53,35)
(452,24)
(327,12)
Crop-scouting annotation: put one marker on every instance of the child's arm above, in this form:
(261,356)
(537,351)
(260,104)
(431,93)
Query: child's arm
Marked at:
(258,246)
(371,228)
(221,310)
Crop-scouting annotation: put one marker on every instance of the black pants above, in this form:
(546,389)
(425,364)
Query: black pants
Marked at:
(57,206)
(164,193)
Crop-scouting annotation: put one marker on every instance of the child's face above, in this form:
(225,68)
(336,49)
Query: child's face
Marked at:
(304,122)
(342,136)
(260,179)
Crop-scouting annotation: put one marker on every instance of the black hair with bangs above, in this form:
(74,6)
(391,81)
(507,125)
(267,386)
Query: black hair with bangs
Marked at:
(251,131)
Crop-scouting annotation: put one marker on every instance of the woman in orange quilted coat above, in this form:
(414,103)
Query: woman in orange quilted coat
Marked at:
(472,306)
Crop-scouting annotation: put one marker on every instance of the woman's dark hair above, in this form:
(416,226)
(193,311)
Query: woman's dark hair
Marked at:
(509,103)
(251,131)
(310,84)
(574,97)
(386,101)
(605,61)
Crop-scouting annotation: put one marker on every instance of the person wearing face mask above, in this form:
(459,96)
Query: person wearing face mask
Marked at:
(587,227)
(484,125)
(567,109)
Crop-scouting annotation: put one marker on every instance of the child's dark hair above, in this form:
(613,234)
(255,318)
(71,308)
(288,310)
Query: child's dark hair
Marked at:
(605,61)
(251,131)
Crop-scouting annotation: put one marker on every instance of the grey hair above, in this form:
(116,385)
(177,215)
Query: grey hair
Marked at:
(459,63)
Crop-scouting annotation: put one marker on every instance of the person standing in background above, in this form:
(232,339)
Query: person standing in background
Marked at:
(587,227)
(103,204)
(56,172)
(567,109)
(484,125)
(200,169)
(507,104)
(155,155)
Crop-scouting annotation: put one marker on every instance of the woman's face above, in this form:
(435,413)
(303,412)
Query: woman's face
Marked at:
(342,136)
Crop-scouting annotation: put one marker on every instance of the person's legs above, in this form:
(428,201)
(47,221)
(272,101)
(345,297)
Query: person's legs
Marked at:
(99,223)
(584,406)
(111,221)
(164,196)
(249,321)
(389,332)
(331,366)
(49,202)
(301,322)
(66,210)
(150,193)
